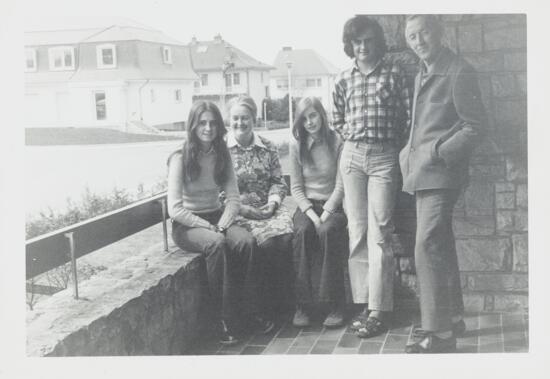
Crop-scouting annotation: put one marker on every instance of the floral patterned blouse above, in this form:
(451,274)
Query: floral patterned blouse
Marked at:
(260,180)
(258,169)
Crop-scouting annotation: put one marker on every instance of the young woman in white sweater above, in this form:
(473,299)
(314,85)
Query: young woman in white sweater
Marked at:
(196,175)
(320,235)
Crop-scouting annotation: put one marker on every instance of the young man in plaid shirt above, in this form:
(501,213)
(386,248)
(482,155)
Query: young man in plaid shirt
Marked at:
(371,113)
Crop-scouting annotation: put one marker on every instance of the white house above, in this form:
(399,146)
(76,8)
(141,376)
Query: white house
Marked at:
(310,74)
(125,77)
(225,71)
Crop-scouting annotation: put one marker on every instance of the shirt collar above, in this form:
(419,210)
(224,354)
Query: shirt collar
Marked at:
(355,67)
(441,63)
(256,141)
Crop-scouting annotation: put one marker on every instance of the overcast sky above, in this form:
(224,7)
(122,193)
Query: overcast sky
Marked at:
(260,27)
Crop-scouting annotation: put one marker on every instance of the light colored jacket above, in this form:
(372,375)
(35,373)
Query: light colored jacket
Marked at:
(448,121)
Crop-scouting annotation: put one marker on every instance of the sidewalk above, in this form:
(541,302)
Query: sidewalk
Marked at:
(485,333)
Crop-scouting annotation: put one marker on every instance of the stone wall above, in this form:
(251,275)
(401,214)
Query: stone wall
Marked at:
(150,304)
(491,216)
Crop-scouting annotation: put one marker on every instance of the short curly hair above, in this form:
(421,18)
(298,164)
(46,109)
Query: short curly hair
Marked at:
(357,25)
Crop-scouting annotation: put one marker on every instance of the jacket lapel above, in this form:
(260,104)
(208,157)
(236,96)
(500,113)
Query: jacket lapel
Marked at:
(415,97)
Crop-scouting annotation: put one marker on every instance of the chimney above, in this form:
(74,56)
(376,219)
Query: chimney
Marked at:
(193,40)
(218,38)
(287,48)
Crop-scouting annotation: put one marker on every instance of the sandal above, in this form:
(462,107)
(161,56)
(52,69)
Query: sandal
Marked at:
(359,321)
(373,327)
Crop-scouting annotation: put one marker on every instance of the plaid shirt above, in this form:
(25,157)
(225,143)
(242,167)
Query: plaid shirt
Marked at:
(374,107)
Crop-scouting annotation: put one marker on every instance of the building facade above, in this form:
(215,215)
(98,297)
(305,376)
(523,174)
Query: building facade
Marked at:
(224,71)
(123,77)
(310,75)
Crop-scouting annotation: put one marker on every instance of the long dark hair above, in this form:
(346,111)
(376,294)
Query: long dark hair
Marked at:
(357,25)
(300,133)
(191,147)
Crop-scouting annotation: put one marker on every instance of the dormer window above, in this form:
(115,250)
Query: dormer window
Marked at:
(167,54)
(61,58)
(106,56)
(30,60)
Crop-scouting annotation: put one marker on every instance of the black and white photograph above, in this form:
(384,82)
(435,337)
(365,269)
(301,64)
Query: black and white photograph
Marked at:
(274,188)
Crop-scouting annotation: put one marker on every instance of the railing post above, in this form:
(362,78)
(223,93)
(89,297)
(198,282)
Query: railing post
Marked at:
(70,236)
(164,227)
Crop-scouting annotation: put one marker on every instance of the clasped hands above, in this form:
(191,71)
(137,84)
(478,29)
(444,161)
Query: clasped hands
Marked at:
(261,213)
(317,221)
(224,222)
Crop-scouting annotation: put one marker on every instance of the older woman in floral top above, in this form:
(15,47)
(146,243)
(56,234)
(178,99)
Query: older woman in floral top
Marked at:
(261,185)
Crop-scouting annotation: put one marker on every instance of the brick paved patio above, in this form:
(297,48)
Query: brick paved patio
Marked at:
(486,333)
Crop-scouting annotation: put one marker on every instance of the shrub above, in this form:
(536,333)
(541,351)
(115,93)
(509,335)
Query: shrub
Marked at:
(277,109)
(91,205)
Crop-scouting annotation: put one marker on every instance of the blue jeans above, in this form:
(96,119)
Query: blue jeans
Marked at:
(369,174)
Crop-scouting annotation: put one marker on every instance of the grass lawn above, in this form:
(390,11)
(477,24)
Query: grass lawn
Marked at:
(86,136)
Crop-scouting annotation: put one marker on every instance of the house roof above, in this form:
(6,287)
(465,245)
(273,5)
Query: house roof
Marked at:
(58,37)
(305,62)
(126,31)
(105,34)
(145,71)
(131,33)
(211,55)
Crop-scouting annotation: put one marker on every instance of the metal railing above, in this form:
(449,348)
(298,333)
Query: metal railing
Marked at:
(59,247)
(51,250)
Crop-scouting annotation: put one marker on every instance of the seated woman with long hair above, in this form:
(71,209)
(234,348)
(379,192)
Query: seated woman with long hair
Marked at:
(320,233)
(196,175)
(262,189)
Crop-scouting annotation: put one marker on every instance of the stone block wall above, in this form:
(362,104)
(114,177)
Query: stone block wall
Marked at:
(150,304)
(490,223)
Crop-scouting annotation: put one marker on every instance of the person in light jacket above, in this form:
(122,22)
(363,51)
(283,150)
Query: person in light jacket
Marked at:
(448,121)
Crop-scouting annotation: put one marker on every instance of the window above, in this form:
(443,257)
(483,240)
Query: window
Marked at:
(61,58)
(227,80)
(153,95)
(100,106)
(202,48)
(282,83)
(204,80)
(236,79)
(106,56)
(30,60)
(167,54)
(319,83)
(177,95)
(262,77)
(310,82)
